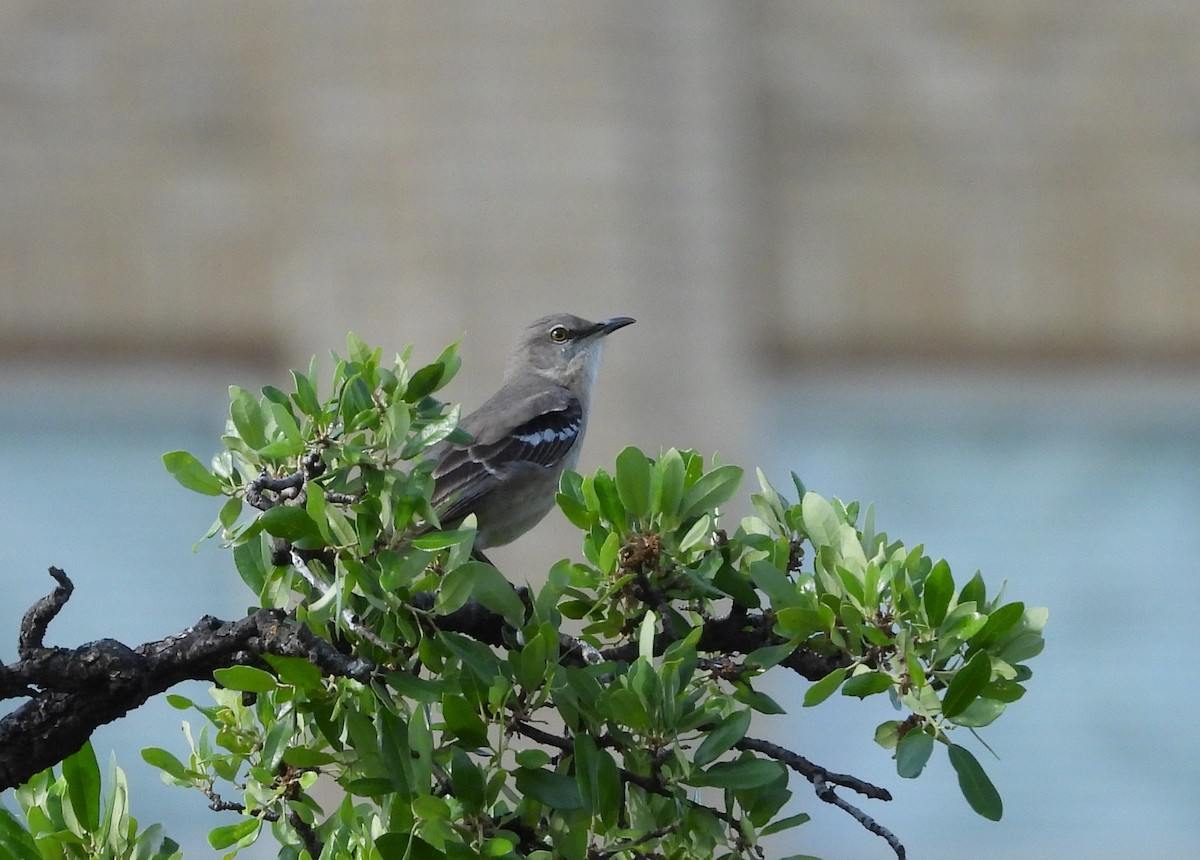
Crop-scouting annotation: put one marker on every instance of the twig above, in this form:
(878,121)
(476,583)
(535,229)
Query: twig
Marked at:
(633,843)
(350,619)
(739,632)
(646,783)
(39,616)
(826,793)
(810,771)
(823,782)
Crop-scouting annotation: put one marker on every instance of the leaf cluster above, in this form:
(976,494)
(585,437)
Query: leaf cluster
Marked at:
(69,816)
(604,714)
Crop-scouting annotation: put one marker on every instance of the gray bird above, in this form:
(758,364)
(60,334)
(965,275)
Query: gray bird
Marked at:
(525,434)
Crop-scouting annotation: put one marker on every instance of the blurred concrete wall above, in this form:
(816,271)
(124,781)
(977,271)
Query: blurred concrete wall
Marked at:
(997,180)
(883,179)
(802,182)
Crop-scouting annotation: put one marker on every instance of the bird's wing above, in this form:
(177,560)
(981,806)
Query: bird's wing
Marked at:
(541,433)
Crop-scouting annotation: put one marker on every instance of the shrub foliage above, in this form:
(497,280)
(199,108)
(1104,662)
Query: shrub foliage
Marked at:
(604,713)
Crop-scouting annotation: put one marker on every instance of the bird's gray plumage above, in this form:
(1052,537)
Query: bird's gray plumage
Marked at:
(525,434)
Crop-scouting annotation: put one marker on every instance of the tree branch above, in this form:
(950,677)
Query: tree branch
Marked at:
(76,690)
(739,632)
(821,780)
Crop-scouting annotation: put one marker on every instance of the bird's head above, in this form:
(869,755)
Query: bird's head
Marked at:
(564,348)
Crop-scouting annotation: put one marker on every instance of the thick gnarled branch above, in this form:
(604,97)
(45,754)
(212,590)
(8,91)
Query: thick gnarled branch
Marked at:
(75,690)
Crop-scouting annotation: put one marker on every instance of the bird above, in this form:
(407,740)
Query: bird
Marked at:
(525,435)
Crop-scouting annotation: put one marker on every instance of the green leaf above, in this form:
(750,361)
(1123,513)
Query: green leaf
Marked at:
(291,524)
(975,785)
(646,635)
(535,662)
(420,746)
(298,672)
(491,589)
(974,591)
(482,581)
(999,623)
(425,381)
(912,753)
(274,395)
(372,786)
(305,757)
(698,533)
(823,689)
(939,588)
(248,679)
(282,423)
(1003,691)
(16,841)
(575,511)
(820,522)
(968,682)
(357,348)
(770,656)
(774,583)
(230,511)
(866,684)
(463,721)
(623,707)
(532,759)
(493,846)
(887,734)
(737,586)
(962,622)
(744,773)
(167,762)
(190,473)
(786,824)
(306,395)
(670,485)
(250,563)
(247,417)
(757,699)
(981,712)
(431,434)
(467,781)
(609,499)
(555,790)
(405,846)
(82,776)
(230,834)
(586,756)
(710,491)
(398,420)
(450,362)
(443,539)
(722,737)
(633,482)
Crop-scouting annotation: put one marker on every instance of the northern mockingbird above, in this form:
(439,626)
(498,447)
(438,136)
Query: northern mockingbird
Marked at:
(525,434)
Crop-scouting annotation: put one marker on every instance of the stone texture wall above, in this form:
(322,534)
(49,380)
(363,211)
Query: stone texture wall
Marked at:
(904,179)
(1015,180)
(755,181)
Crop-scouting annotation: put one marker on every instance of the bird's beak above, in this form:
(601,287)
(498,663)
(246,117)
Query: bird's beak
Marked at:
(600,329)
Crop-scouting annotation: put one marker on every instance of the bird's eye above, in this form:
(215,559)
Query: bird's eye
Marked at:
(559,334)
